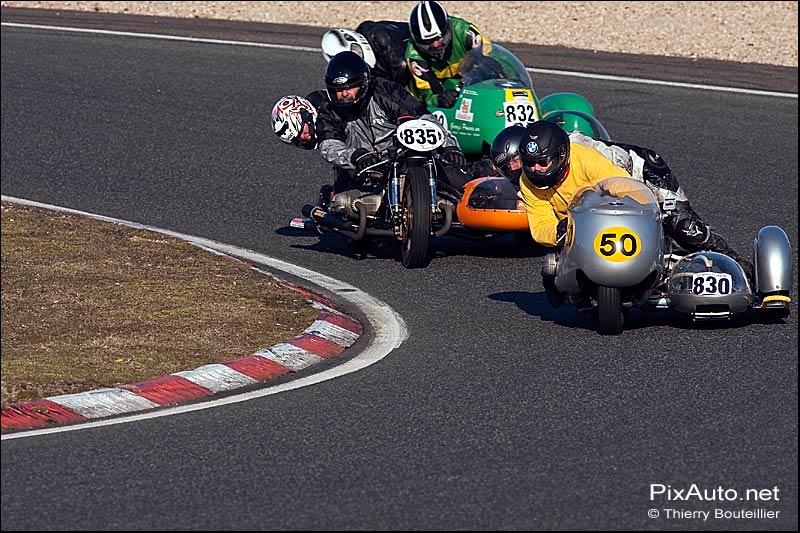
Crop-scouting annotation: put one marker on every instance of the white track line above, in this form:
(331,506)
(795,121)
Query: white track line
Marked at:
(317,50)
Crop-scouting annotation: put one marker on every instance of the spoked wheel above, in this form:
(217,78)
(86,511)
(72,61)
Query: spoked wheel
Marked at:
(609,310)
(416,218)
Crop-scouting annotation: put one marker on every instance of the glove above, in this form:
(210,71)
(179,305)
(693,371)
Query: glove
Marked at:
(447,99)
(455,157)
(561,232)
(363,158)
(482,168)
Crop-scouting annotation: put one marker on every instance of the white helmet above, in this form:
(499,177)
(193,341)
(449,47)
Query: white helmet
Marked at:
(289,115)
(341,40)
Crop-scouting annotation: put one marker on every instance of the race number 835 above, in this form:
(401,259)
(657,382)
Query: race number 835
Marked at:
(420,136)
(617,244)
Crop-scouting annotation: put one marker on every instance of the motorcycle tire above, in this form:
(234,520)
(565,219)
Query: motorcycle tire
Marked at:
(774,314)
(610,317)
(416,219)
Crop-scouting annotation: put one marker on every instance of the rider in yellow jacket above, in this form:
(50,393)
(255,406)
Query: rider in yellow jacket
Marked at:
(554,170)
(547,207)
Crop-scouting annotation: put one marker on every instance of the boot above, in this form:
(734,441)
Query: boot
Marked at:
(554,296)
(694,235)
(716,243)
(325,195)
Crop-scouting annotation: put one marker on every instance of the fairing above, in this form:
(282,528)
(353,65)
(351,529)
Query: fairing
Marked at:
(491,204)
(709,285)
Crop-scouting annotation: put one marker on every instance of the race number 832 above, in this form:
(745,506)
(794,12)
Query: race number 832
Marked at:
(617,244)
(519,112)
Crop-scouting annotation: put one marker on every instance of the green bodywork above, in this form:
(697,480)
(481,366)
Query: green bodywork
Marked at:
(496,92)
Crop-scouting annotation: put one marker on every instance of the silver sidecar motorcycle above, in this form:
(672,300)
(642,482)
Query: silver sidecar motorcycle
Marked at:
(616,257)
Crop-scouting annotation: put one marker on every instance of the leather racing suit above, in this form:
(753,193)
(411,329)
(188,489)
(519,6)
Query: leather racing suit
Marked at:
(431,79)
(340,136)
(547,207)
(388,40)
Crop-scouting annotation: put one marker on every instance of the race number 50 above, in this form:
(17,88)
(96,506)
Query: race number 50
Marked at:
(617,244)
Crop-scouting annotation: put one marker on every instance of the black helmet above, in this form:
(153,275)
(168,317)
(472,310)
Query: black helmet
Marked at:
(505,148)
(428,23)
(544,144)
(347,70)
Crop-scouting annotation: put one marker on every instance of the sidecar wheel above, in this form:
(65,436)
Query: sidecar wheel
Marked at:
(416,218)
(609,310)
(774,314)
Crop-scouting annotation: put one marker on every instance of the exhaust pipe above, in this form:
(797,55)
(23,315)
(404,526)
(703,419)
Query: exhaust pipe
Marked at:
(323,218)
(448,219)
(349,229)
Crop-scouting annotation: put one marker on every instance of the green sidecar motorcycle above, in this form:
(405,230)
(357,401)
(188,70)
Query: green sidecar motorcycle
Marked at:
(496,91)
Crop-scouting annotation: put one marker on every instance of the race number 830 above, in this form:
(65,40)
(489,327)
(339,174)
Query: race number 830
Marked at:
(712,283)
(617,244)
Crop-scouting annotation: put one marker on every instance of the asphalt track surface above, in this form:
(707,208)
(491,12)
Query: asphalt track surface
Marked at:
(497,412)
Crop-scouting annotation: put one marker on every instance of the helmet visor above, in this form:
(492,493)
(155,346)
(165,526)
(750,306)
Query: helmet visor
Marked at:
(356,49)
(347,95)
(539,164)
(436,47)
(511,169)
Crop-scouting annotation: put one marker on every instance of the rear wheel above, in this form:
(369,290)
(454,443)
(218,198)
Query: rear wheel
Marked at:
(609,310)
(416,218)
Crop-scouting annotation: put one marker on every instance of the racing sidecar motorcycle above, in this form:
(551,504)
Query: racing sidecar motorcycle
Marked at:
(496,91)
(616,257)
(402,202)
(411,202)
(489,208)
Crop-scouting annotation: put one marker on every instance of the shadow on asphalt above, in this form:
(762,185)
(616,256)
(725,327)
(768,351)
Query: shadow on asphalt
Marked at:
(502,246)
(535,304)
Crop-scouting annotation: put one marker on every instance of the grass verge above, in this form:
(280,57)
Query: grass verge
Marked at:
(89,304)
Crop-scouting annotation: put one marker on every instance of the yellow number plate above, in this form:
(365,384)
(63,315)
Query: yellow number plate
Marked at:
(617,244)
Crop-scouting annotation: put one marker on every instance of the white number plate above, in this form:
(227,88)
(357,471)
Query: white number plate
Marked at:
(420,135)
(519,112)
(712,283)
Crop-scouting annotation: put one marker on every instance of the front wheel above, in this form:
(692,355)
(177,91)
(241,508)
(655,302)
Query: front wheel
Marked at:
(609,310)
(416,218)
